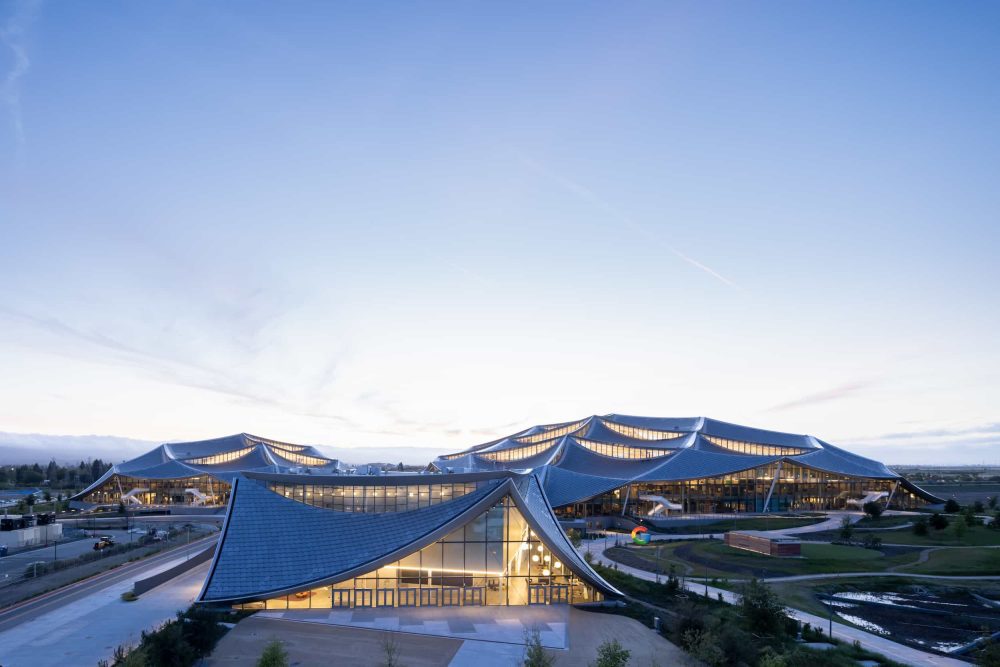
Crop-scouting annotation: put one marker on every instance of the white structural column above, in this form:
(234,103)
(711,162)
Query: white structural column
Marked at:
(777,474)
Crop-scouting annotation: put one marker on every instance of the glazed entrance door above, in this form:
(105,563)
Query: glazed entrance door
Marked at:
(362,597)
(408,597)
(559,594)
(451,597)
(429,597)
(473,596)
(538,594)
(341,597)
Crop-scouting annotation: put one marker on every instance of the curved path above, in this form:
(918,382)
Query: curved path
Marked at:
(888,648)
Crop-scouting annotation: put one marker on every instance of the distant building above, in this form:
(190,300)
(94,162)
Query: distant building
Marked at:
(653,466)
(198,473)
(764,543)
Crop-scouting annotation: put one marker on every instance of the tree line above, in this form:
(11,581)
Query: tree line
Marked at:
(53,475)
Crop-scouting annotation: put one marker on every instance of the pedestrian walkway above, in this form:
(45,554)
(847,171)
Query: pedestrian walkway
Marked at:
(888,648)
(508,625)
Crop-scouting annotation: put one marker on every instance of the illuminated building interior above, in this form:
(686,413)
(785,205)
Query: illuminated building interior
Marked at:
(197,473)
(491,540)
(645,466)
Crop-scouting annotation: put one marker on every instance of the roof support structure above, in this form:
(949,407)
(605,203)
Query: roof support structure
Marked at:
(628,492)
(767,501)
(892,493)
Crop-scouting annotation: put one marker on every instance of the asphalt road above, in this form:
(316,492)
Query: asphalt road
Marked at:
(42,604)
(12,567)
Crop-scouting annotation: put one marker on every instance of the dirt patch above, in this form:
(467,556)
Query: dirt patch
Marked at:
(932,618)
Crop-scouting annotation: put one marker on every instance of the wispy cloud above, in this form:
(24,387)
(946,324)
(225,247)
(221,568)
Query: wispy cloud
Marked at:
(12,34)
(985,432)
(586,193)
(836,393)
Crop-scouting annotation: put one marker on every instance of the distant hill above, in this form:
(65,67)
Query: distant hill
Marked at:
(17,448)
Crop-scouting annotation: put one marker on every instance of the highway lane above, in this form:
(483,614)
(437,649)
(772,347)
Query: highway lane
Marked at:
(28,610)
(12,567)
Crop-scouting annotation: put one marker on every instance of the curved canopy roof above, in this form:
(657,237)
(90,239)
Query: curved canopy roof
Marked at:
(272,545)
(605,452)
(222,458)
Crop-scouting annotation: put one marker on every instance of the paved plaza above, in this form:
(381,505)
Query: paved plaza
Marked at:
(494,624)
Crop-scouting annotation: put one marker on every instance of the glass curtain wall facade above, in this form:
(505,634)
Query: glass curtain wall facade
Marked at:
(161,491)
(798,488)
(373,498)
(495,559)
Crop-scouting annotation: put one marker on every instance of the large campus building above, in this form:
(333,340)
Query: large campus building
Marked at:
(480,526)
(197,473)
(321,542)
(649,466)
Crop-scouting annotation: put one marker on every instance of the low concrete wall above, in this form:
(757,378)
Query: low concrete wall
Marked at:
(149,583)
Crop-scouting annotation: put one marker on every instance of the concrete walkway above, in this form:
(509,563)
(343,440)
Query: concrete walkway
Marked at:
(311,643)
(832,522)
(888,648)
(506,625)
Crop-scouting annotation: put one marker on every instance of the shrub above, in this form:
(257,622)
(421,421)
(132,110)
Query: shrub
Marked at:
(761,608)
(938,521)
(274,655)
(612,654)
(872,542)
(704,646)
(129,596)
(978,507)
(873,509)
(952,506)
(36,569)
(167,647)
(920,526)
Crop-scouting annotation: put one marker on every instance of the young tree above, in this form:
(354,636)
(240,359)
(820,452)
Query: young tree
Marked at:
(846,529)
(534,652)
(611,654)
(920,526)
(952,506)
(873,509)
(978,507)
(938,521)
(274,655)
(761,608)
(391,650)
(992,502)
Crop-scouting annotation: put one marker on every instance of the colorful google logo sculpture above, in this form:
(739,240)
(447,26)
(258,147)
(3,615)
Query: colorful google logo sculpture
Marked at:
(640,535)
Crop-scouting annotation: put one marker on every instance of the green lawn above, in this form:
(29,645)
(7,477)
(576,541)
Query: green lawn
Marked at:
(959,562)
(975,536)
(754,523)
(698,558)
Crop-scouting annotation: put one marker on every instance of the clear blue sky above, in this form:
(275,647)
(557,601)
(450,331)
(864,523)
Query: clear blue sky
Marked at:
(429,224)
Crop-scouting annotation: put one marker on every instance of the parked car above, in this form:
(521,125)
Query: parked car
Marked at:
(3,550)
(103,542)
